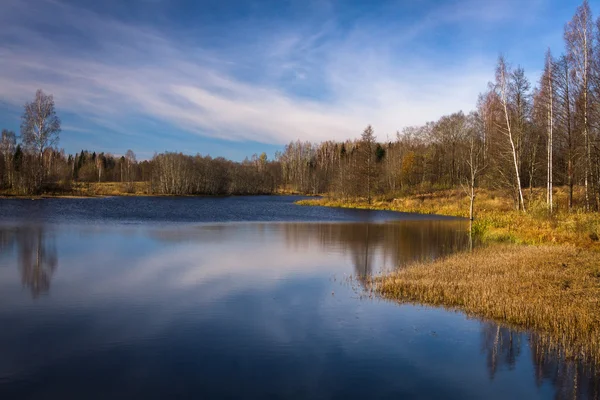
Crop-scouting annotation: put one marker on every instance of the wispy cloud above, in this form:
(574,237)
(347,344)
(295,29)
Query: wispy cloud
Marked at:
(308,84)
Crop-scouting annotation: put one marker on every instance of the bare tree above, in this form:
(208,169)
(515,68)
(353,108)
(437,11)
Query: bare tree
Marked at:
(130,160)
(564,121)
(8,144)
(579,41)
(367,161)
(40,128)
(449,133)
(485,109)
(547,95)
(502,88)
(475,153)
(520,100)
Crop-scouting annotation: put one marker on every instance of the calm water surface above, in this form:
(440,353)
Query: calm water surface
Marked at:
(243,298)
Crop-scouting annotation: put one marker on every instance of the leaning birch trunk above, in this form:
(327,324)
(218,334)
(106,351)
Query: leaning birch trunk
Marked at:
(503,99)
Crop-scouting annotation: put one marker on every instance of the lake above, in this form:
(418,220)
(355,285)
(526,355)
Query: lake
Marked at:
(244,297)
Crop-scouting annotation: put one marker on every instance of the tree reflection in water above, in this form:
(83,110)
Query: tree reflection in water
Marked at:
(572,379)
(377,248)
(37,256)
(501,345)
(372,247)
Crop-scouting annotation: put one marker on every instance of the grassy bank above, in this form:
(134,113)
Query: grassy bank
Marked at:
(101,189)
(554,290)
(112,189)
(495,217)
(89,189)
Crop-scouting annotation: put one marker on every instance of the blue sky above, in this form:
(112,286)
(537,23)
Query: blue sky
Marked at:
(233,78)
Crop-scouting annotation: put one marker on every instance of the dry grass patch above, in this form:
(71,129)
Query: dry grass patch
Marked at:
(112,189)
(554,290)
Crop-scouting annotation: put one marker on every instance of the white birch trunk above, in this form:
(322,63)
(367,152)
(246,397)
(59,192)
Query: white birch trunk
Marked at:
(510,136)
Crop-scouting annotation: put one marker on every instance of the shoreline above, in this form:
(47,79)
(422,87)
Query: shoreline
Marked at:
(495,221)
(49,196)
(76,195)
(81,190)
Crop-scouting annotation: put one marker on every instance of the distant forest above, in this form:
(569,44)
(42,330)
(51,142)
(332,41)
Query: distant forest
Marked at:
(522,135)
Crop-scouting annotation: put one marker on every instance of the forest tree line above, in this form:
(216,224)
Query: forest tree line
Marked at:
(32,164)
(24,172)
(522,135)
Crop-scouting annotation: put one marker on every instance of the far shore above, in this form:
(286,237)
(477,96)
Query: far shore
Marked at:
(84,190)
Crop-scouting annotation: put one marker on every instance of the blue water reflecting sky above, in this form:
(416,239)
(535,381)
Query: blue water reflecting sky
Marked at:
(247,310)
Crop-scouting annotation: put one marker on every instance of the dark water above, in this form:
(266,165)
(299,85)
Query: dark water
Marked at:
(243,298)
(152,210)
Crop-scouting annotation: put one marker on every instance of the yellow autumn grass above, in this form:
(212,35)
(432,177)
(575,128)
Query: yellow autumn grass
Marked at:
(111,189)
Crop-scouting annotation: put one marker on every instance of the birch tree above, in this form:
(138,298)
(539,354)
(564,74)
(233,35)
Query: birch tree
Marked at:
(367,170)
(502,76)
(579,41)
(475,156)
(40,129)
(547,96)
(40,126)
(564,114)
(130,161)
(519,97)
(99,165)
